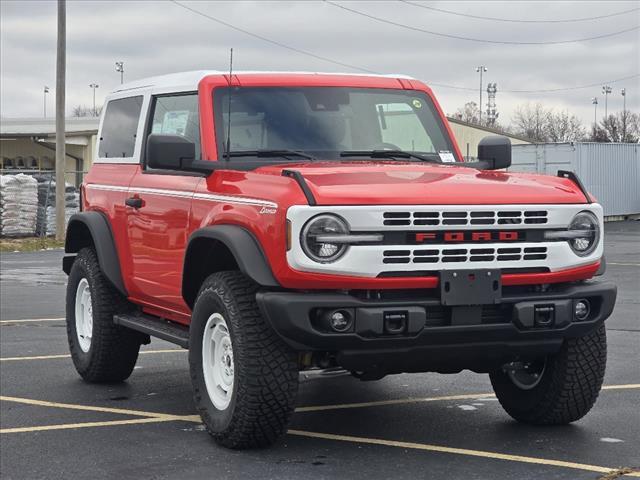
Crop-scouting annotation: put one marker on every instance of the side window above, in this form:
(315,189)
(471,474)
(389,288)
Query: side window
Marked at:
(177,115)
(118,135)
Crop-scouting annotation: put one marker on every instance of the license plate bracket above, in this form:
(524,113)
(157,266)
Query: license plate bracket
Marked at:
(470,287)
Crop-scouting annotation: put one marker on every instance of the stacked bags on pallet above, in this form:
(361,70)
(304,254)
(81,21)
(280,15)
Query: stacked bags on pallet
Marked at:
(71,206)
(18,205)
(46,224)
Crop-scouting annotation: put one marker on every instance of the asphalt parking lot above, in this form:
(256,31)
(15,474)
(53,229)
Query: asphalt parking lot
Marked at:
(53,425)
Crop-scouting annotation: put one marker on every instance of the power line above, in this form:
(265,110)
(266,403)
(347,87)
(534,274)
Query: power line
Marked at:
(470,39)
(362,69)
(273,42)
(495,19)
(551,90)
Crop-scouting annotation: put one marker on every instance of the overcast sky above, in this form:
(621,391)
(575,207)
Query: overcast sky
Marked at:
(155,37)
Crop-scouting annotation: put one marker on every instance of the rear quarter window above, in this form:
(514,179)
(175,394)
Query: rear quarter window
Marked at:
(119,128)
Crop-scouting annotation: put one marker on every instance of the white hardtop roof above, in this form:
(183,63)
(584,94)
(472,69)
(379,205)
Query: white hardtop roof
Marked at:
(190,80)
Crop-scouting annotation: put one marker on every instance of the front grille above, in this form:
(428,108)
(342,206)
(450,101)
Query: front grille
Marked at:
(463,217)
(455,255)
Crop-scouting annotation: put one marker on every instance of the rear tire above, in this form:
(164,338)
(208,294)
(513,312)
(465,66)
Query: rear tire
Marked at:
(568,385)
(245,378)
(101,350)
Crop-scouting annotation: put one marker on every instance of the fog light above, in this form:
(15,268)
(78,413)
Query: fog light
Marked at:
(582,309)
(340,321)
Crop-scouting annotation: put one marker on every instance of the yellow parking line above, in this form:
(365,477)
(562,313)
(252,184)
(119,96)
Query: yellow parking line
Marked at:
(68,426)
(92,408)
(28,320)
(398,401)
(66,355)
(457,451)
(629,386)
(403,401)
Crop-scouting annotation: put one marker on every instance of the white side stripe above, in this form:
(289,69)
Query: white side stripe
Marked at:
(181,194)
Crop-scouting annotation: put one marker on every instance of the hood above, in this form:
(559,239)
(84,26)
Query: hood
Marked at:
(409,183)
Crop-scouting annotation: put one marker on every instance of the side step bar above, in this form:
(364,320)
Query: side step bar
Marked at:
(155,327)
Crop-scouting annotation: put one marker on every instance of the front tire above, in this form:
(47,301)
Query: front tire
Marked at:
(101,350)
(245,378)
(559,389)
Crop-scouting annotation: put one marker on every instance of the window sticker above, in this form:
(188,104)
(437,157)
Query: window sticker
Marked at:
(175,123)
(446,156)
(417,103)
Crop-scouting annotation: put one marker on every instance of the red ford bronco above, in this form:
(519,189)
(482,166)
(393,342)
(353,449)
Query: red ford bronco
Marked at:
(277,222)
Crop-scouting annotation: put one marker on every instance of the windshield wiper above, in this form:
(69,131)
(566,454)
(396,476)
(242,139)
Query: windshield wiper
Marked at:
(388,154)
(270,154)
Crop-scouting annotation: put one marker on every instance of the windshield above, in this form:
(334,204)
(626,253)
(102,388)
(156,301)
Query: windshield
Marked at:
(327,121)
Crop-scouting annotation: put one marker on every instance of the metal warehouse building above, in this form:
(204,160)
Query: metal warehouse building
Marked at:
(610,171)
(28,144)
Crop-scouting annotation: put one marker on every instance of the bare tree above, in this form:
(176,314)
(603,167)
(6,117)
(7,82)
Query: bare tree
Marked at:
(563,127)
(621,127)
(470,113)
(85,111)
(531,121)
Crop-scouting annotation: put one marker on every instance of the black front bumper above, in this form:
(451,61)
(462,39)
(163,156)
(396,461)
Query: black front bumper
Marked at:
(437,337)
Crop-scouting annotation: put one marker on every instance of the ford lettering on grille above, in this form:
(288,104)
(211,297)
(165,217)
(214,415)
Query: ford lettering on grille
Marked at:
(474,236)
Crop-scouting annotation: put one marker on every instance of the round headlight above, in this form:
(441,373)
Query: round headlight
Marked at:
(586,233)
(323,225)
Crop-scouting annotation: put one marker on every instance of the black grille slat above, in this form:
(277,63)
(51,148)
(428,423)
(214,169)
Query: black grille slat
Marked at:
(425,214)
(536,256)
(482,258)
(505,258)
(509,250)
(426,222)
(426,252)
(425,259)
(396,222)
(454,221)
(397,214)
(535,249)
(396,260)
(396,253)
(482,221)
(454,214)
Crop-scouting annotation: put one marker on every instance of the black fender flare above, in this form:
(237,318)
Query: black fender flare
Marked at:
(243,246)
(93,228)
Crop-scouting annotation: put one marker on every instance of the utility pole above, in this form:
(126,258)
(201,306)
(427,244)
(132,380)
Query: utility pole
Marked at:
(481,69)
(120,68)
(46,90)
(623,92)
(606,90)
(61,61)
(594,102)
(93,86)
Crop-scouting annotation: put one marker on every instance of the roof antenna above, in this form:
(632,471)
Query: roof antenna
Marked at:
(228,145)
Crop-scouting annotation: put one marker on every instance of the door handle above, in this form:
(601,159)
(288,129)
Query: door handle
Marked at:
(135,202)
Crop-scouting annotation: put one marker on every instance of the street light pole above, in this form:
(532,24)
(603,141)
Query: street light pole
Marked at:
(93,86)
(61,154)
(120,68)
(594,101)
(46,90)
(606,90)
(481,69)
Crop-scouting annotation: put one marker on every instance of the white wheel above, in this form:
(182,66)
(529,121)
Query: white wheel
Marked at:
(84,315)
(217,361)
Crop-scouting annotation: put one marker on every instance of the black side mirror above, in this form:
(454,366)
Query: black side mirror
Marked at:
(170,152)
(495,152)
